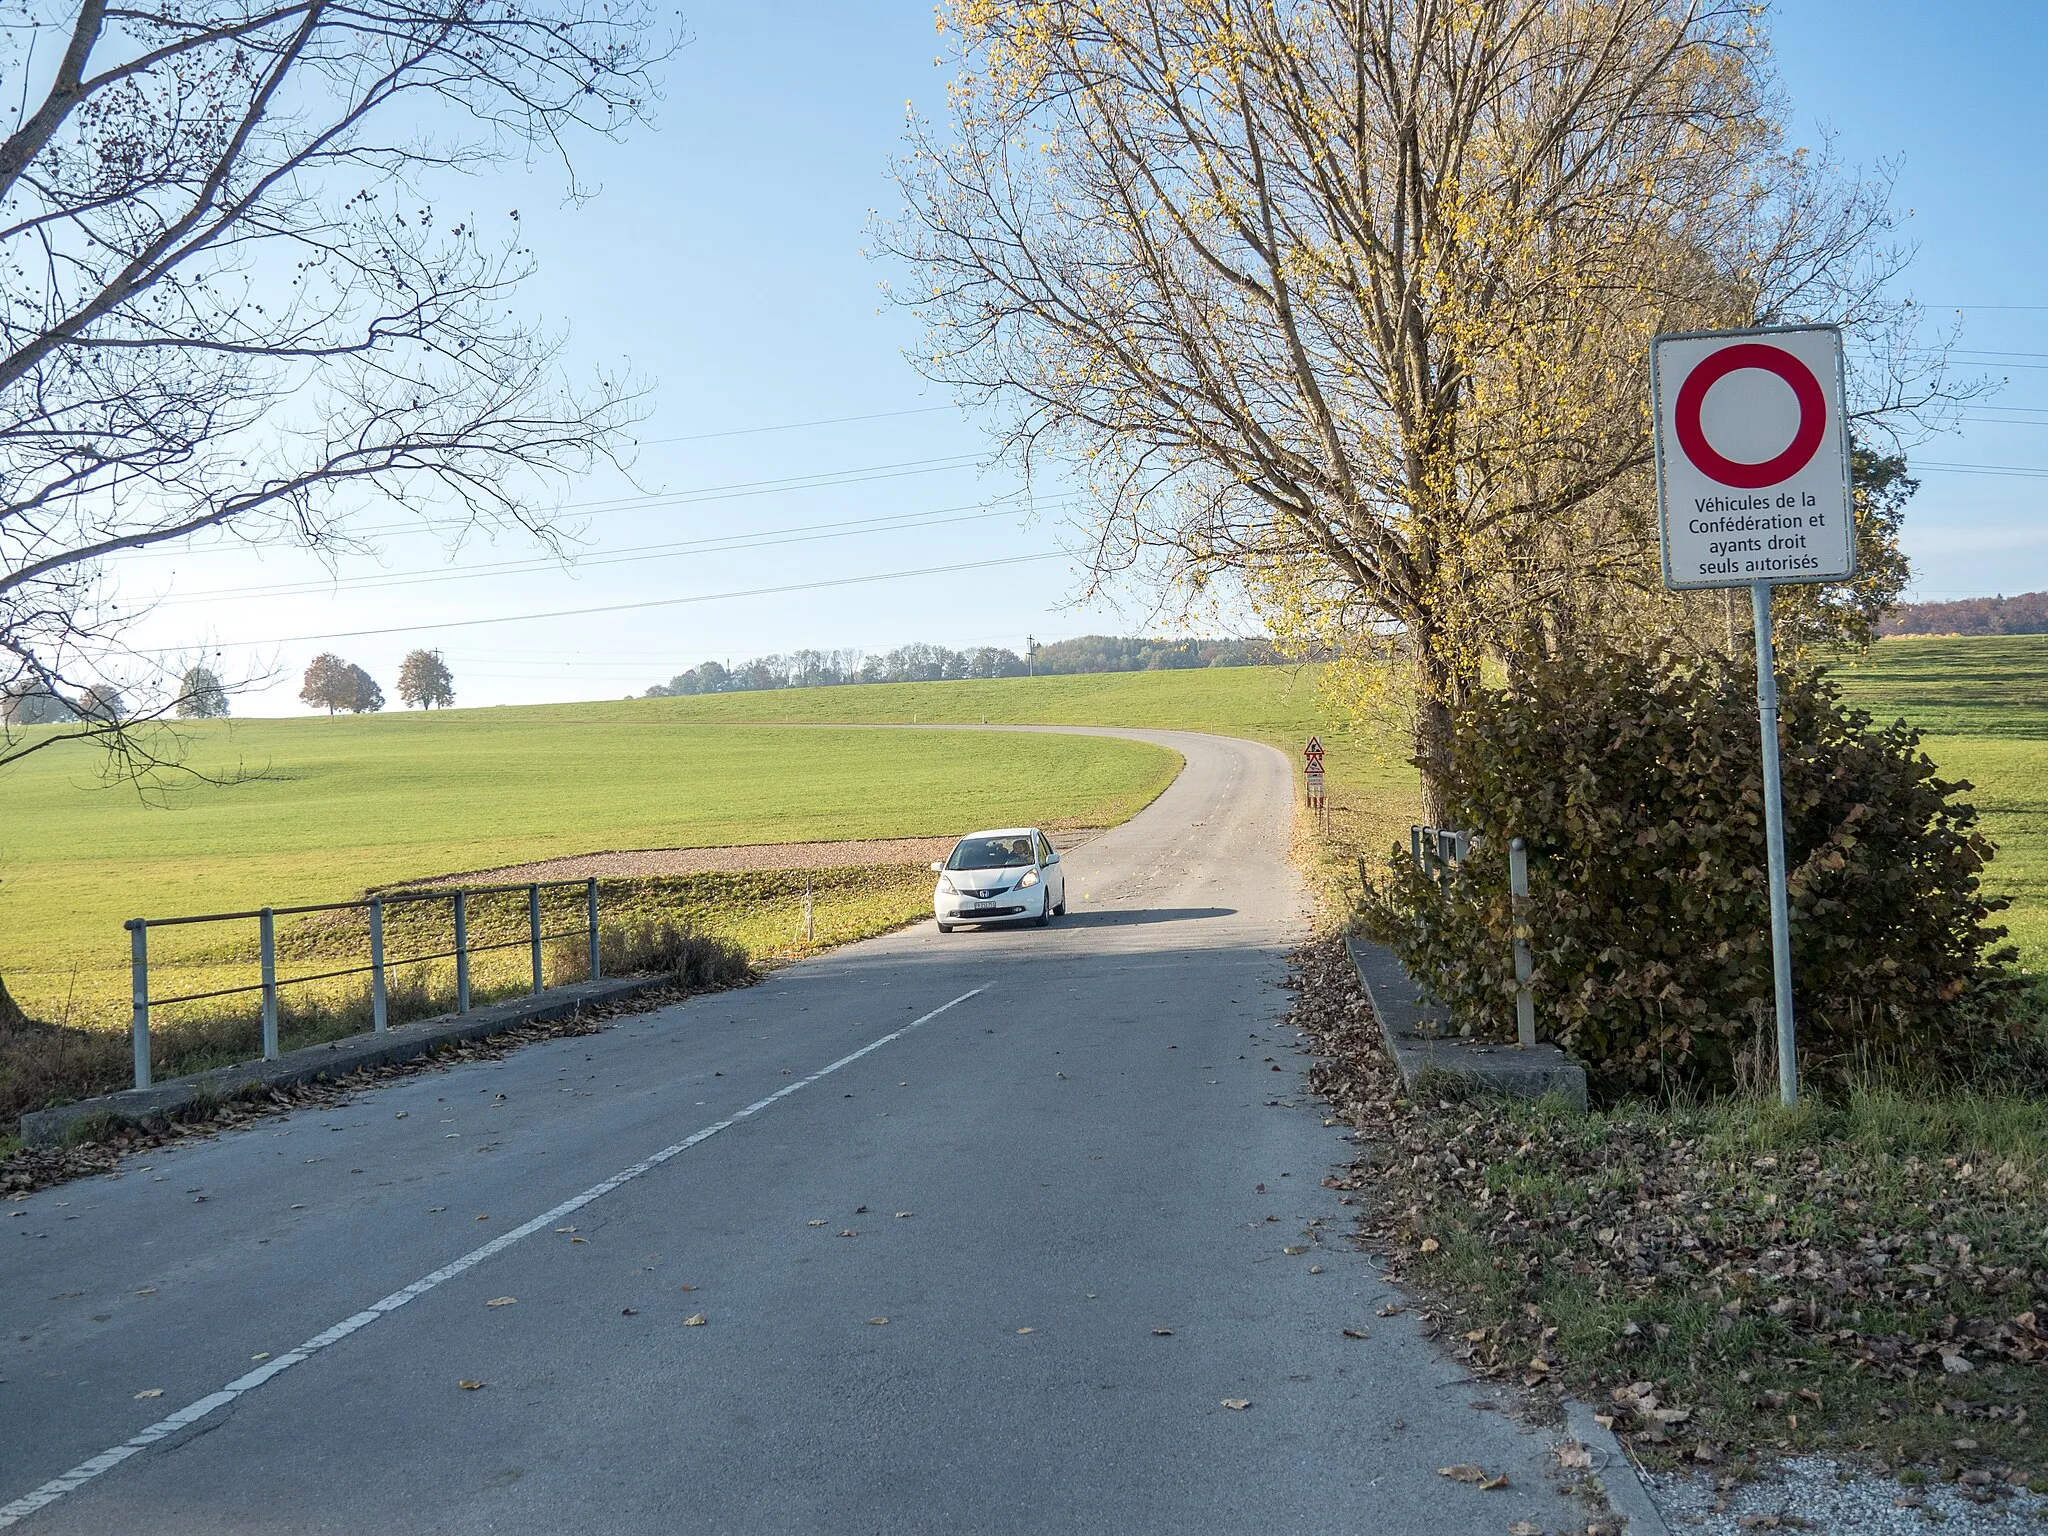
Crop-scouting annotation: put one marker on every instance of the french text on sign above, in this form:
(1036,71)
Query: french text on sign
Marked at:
(1752,457)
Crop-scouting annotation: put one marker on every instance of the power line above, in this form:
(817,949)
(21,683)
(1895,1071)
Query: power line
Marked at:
(658,500)
(720,544)
(792,426)
(2018,470)
(660,602)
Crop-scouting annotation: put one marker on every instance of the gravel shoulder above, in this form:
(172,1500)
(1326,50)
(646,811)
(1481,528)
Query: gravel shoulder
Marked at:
(1817,1493)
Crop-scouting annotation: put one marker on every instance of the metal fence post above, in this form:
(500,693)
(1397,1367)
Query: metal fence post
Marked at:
(379,1004)
(810,925)
(1518,890)
(533,919)
(266,930)
(1415,848)
(138,949)
(1774,846)
(462,952)
(590,901)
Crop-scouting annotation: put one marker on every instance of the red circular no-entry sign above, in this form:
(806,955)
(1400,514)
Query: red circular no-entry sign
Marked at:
(1813,416)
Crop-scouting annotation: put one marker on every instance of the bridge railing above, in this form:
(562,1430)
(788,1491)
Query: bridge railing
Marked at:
(378,968)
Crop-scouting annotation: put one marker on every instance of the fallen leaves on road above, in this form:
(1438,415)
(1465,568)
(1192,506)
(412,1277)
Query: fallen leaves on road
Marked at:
(1524,1528)
(1027,1330)
(1479,1477)
(1237,1404)
(1356,1333)
(877,1322)
(695,1320)
(502,1301)
(905,1215)
(1391,1309)
(149,1392)
(470,1386)
(1294,1251)
(629,1311)
(849,1232)
(1574,1456)
(820,1222)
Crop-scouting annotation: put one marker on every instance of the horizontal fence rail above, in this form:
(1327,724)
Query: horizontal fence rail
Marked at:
(380,965)
(1439,851)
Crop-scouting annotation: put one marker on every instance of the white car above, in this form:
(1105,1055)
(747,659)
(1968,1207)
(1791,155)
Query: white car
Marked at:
(1008,875)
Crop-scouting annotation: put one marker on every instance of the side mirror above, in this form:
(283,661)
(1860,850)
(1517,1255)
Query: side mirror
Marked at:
(1052,858)
(937,866)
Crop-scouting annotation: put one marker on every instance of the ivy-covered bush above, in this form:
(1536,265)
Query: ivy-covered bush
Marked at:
(1636,786)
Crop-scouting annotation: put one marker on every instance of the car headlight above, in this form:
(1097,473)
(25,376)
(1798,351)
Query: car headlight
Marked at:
(946,884)
(1030,878)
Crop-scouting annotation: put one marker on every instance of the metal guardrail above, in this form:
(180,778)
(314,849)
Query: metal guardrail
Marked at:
(1442,851)
(1439,851)
(378,969)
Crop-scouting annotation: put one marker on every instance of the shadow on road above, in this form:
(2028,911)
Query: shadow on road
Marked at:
(1126,919)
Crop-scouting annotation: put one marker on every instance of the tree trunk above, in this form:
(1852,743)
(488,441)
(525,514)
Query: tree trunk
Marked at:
(11,1016)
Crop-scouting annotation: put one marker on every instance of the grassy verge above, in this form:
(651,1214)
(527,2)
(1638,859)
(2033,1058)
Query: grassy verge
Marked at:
(1731,1281)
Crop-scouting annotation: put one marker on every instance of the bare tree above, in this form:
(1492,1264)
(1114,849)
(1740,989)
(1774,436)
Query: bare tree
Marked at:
(1352,299)
(228,300)
(424,681)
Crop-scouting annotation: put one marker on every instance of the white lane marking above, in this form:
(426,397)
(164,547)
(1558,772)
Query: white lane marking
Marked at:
(192,1413)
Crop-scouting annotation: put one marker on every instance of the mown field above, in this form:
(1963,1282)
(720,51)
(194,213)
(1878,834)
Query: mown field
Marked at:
(1983,703)
(335,806)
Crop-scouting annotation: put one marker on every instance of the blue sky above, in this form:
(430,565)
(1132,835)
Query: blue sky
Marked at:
(724,259)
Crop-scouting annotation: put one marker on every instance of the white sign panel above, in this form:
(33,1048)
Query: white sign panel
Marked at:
(1752,457)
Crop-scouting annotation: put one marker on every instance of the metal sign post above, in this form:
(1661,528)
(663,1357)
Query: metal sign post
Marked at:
(1753,490)
(1312,774)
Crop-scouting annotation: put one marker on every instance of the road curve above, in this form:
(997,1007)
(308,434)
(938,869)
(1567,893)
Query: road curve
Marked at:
(1072,1168)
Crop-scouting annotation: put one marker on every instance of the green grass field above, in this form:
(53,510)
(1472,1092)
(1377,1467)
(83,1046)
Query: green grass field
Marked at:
(351,802)
(346,803)
(1983,704)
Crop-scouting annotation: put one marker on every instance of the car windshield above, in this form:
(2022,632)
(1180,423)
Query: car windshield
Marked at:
(991,853)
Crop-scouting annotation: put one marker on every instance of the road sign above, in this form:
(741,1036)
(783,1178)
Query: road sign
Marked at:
(1312,754)
(1752,457)
(1753,491)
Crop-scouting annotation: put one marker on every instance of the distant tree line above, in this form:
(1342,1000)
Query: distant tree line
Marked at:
(2024,614)
(922,663)
(200,696)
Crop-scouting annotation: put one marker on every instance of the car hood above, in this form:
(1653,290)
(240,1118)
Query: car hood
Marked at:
(987,879)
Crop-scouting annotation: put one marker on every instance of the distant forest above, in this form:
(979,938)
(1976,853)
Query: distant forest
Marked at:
(922,663)
(2024,614)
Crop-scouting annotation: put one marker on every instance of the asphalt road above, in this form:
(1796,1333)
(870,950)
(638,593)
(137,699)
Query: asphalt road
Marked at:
(1073,1169)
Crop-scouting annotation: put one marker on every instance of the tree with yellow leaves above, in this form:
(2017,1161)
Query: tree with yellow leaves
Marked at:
(1352,299)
